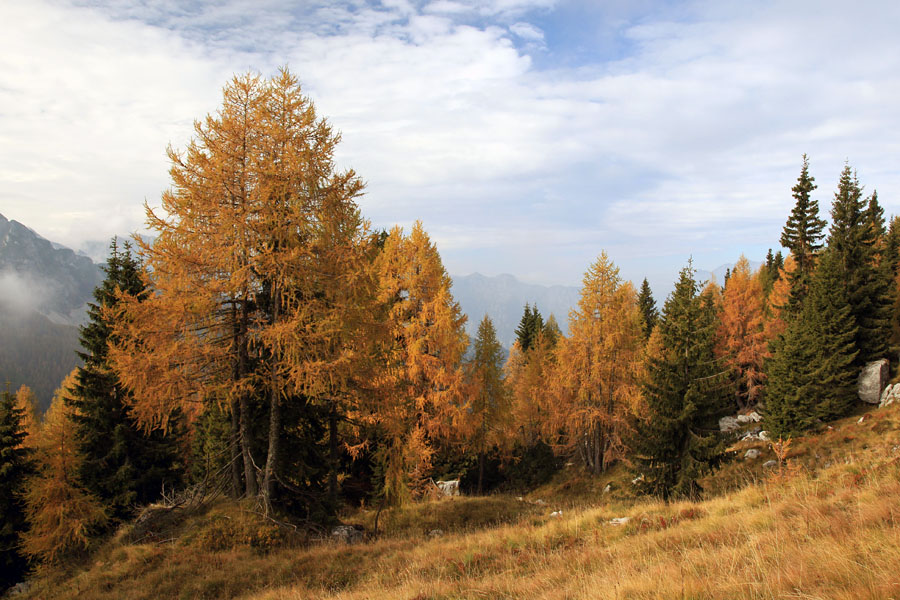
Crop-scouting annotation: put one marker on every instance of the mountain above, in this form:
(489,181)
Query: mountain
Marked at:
(44,290)
(503,299)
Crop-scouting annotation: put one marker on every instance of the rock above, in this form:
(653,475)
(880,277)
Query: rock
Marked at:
(861,419)
(449,487)
(727,424)
(520,498)
(540,502)
(743,419)
(346,534)
(890,395)
(751,454)
(20,588)
(755,417)
(637,479)
(764,436)
(435,533)
(872,379)
(770,464)
(608,488)
(556,514)
(619,521)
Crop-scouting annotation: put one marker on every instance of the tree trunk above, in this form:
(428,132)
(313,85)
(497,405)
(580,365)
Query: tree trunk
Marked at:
(480,472)
(274,419)
(236,457)
(333,456)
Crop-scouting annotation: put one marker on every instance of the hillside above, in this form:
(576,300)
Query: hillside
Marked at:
(824,525)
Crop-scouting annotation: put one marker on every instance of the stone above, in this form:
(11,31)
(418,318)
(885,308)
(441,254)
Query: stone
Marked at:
(556,514)
(435,533)
(890,395)
(20,588)
(872,380)
(608,488)
(449,487)
(346,534)
(619,521)
(637,479)
(540,502)
(770,464)
(751,454)
(727,424)
(743,419)
(764,436)
(755,417)
(861,419)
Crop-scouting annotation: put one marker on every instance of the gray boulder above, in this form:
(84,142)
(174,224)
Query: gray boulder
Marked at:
(346,534)
(890,395)
(872,380)
(751,454)
(727,424)
(770,464)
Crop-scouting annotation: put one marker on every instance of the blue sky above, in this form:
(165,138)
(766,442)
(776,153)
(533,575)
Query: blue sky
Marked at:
(527,135)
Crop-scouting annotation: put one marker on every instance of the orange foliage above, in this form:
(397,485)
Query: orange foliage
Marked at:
(742,340)
(31,420)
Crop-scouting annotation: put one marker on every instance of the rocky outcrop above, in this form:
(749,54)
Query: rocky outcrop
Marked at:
(449,487)
(346,534)
(890,395)
(872,380)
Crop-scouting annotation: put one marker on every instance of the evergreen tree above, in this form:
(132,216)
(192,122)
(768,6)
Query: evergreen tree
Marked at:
(15,468)
(551,331)
(648,308)
(529,327)
(677,441)
(802,234)
(853,237)
(812,374)
(121,464)
(771,271)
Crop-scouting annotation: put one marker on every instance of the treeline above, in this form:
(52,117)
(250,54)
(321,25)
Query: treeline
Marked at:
(270,345)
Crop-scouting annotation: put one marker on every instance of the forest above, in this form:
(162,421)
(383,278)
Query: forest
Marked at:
(272,347)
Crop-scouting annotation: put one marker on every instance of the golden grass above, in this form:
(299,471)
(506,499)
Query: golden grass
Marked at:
(814,532)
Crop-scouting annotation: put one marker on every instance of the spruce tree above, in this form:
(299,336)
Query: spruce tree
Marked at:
(529,327)
(802,235)
(122,465)
(15,467)
(647,305)
(678,441)
(854,239)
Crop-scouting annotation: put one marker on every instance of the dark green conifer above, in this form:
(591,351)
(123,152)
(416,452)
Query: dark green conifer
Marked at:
(854,239)
(529,327)
(812,374)
(648,308)
(686,391)
(123,465)
(802,235)
(15,467)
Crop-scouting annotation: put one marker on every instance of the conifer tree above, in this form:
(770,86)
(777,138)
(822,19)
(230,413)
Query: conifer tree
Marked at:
(853,237)
(62,515)
(15,468)
(530,325)
(677,440)
(488,405)
(27,402)
(121,464)
(551,331)
(741,337)
(802,234)
(598,364)
(648,308)
(812,373)
(419,384)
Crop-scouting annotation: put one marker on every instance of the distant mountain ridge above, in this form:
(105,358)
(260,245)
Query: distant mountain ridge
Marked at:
(503,299)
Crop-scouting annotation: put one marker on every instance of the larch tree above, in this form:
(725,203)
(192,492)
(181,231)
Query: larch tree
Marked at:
(803,234)
(420,380)
(487,409)
(62,515)
(27,402)
(676,438)
(15,468)
(742,340)
(598,365)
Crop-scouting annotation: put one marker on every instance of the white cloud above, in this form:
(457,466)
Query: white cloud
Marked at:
(688,142)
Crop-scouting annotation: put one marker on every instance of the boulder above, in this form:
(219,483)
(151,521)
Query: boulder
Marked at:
(346,534)
(434,533)
(754,417)
(608,488)
(618,521)
(556,514)
(449,487)
(770,464)
(727,424)
(872,380)
(764,436)
(751,454)
(890,395)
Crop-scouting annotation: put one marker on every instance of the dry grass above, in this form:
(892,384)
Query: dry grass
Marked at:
(813,532)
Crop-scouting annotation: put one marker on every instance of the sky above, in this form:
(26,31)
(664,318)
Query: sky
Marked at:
(527,135)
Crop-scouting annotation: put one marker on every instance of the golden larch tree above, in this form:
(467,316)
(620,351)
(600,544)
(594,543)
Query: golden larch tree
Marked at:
(742,340)
(62,516)
(598,366)
(27,402)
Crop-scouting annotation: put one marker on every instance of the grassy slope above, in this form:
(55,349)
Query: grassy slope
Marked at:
(827,528)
